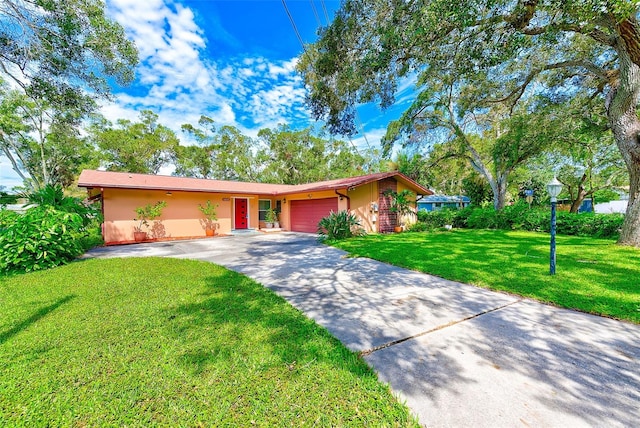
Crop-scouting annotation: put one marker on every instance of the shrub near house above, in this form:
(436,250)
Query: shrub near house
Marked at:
(340,225)
(53,231)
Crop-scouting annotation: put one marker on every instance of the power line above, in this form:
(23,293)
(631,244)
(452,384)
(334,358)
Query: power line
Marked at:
(315,12)
(326,14)
(293,24)
(295,29)
(359,122)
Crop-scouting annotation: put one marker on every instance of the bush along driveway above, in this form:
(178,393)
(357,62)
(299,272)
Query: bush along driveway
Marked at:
(458,354)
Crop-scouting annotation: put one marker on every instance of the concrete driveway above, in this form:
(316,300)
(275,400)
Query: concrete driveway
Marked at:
(458,355)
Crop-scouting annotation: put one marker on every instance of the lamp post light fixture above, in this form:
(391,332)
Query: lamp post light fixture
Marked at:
(553,188)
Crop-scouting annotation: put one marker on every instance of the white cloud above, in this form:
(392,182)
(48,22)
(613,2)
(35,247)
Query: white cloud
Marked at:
(286,68)
(370,139)
(180,81)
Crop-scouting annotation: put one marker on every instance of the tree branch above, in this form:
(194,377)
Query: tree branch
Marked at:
(518,91)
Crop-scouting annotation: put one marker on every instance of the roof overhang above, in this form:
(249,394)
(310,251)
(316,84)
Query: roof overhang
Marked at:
(123,180)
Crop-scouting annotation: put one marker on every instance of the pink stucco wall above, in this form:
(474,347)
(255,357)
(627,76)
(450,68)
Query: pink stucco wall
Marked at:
(181,218)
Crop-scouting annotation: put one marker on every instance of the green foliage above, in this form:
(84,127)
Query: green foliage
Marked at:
(208,210)
(65,45)
(41,238)
(60,55)
(279,155)
(298,156)
(55,230)
(271,216)
(477,189)
(461,217)
(6,218)
(141,147)
(8,198)
(601,225)
(91,236)
(436,219)
(483,218)
(418,226)
(43,144)
(520,217)
(413,165)
(148,212)
(53,196)
(340,225)
(401,203)
(605,195)
(481,70)
(223,153)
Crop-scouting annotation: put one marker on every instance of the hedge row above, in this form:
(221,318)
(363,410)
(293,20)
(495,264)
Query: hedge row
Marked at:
(520,217)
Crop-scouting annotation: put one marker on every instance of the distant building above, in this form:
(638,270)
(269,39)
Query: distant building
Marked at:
(438,202)
(612,207)
(19,208)
(585,207)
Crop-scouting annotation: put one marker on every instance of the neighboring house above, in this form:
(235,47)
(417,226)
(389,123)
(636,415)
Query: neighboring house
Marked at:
(438,202)
(585,207)
(612,207)
(241,205)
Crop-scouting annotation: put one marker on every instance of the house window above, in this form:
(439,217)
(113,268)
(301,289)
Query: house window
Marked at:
(263,206)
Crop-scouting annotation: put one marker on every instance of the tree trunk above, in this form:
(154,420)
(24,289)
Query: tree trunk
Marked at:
(499,188)
(575,205)
(498,184)
(621,104)
(630,234)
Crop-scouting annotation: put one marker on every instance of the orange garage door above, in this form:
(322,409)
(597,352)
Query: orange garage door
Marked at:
(306,214)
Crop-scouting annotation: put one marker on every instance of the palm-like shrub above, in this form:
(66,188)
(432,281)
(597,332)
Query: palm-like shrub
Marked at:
(340,225)
(401,203)
(53,196)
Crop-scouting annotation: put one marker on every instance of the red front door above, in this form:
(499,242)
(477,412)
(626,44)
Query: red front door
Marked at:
(241,213)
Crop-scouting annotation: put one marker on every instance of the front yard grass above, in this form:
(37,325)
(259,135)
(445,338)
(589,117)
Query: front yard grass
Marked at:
(144,342)
(592,275)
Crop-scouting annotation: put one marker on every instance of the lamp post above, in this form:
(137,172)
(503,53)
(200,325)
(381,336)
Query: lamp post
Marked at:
(553,188)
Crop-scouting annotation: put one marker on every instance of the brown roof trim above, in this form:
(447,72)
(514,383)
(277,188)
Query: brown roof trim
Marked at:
(124,180)
(347,183)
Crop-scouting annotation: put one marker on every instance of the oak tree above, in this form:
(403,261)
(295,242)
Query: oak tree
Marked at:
(505,51)
(141,147)
(55,49)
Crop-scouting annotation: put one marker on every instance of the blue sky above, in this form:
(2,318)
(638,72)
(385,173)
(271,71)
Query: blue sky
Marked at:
(232,60)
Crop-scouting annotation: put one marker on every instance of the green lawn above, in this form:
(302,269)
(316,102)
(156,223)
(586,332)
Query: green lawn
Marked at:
(140,342)
(592,275)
